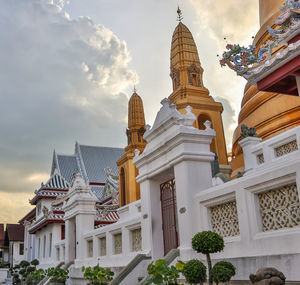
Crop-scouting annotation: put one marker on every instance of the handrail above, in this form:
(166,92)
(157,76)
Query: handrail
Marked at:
(129,268)
(169,258)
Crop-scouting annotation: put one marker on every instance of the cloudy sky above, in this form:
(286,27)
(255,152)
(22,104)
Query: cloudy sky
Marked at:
(69,67)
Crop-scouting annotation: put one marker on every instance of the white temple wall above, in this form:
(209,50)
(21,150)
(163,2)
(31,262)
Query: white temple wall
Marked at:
(14,252)
(46,238)
(258,213)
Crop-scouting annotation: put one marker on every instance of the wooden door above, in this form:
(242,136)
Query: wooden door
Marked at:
(169,215)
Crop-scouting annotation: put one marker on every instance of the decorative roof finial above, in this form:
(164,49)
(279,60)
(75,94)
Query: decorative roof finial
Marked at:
(179,18)
(134,89)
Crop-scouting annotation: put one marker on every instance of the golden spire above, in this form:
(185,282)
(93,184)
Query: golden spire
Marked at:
(136,117)
(185,61)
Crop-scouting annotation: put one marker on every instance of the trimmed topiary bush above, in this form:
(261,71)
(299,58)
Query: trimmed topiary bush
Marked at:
(194,271)
(228,265)
(221,273)
(207,242)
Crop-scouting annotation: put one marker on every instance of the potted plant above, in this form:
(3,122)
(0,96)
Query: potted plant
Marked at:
(97,275)
(58,276)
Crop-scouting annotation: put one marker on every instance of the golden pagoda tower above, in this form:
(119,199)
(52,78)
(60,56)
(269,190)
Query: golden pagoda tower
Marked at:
(188,89)
(269,113)
(129,189)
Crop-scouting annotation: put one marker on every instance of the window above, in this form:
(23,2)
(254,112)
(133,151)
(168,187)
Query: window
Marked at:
(57,254)
(38,209)
(136,240)
(50,244)
(62,233)
(39,248)
(102,246)
(118,243)
(44,247)
(90,248)
(194,78)
(21,249)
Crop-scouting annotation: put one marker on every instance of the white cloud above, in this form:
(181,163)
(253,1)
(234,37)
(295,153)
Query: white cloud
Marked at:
(238,22)
(61,80)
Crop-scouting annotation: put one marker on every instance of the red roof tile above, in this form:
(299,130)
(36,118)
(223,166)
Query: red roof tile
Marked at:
(15,232)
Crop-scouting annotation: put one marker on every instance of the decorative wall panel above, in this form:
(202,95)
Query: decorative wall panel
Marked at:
(224,219)
(118,243)
(136,236)
(286,148)
(102,246)
(260,158)
(280,208)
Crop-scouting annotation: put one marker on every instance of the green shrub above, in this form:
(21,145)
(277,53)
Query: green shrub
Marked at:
(35,262)
(207,242)
(194,271)
(220,273)
(161,273)
(4,264)
(38,274)
(57,274)
(98,275)
(228,265)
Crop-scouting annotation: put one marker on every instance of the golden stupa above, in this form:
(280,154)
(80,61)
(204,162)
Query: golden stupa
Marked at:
(188,89)
(129,188)
(269,113)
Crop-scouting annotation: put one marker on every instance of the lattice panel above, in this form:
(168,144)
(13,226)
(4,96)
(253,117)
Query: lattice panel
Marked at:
(118,243)
(280,208)
(286,148)
(103,246)
(224,219)
(260,158)
(136,236)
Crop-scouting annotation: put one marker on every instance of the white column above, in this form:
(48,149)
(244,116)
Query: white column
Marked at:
(152,234)
(70,240)
(84,224)
(249,158)
(190,178)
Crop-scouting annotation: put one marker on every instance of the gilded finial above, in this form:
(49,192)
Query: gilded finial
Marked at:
(179,18)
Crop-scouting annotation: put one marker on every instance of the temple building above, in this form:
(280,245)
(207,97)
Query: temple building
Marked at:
(166,192)
(189,90)
(129,188)
(270,113)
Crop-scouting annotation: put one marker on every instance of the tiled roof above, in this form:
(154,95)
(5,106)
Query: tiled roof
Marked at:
(2,235)
(67,166)
(15,232)
(56,181)
(96,159)
(99,191)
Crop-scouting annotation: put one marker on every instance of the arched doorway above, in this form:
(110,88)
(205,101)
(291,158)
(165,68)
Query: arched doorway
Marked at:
(201,120)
